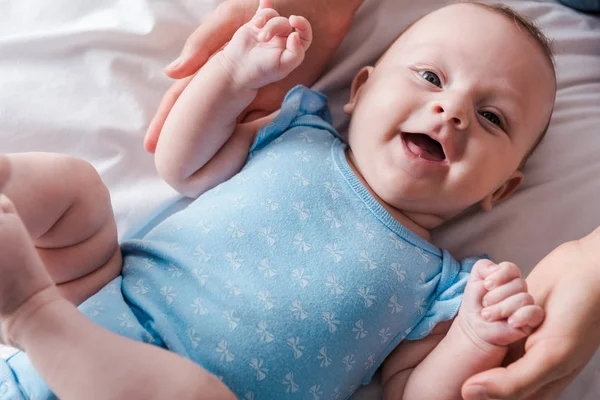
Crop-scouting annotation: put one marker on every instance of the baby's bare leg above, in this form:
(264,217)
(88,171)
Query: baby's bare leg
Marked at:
(78,359)
(66,210)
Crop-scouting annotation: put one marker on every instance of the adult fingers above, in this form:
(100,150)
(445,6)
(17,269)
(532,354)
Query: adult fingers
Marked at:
(540,366)
(553,389)
(164,108)
(208,38)
(262,4)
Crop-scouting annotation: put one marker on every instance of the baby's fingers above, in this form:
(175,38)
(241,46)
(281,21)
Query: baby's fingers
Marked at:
(505,272)
(302,26)
(507,307)
(262,16)
(500,293)
(483,268)
(527,317)
(293,55)
(278,26)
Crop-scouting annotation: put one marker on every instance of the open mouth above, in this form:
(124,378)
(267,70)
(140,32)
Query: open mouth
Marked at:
(424,146)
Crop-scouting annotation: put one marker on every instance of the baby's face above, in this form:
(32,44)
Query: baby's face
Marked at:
(446,117)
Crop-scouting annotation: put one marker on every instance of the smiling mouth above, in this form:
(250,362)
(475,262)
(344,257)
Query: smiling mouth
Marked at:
(424,146)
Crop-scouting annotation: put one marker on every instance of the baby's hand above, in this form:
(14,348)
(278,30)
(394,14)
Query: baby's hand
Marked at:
(496,307)
(267,48)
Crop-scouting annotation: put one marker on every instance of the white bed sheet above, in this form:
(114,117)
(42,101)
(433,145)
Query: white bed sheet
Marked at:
(84,78)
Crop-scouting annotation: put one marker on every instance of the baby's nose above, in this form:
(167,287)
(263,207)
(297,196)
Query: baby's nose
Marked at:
(454,115)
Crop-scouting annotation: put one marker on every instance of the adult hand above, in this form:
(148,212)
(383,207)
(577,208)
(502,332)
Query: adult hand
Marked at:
(330,20)
(566,283)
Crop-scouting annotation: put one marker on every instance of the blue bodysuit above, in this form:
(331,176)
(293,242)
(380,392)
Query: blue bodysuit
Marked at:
(287,281)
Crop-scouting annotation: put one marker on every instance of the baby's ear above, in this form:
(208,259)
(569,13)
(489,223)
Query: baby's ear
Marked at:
(503,192)
(357,83)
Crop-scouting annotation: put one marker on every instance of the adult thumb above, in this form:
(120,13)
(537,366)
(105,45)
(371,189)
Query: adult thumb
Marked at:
(518,380)
(209,38)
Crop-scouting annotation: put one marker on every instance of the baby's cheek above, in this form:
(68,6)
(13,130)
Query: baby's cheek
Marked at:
(467,186)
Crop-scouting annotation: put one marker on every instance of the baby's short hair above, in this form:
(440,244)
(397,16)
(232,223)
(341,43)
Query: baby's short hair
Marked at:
(523,23)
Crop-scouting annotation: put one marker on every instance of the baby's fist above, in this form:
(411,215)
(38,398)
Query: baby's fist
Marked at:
(497,305)
(267,48)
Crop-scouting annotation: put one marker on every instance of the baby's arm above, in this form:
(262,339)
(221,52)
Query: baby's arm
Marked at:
(472,344)
(200,144)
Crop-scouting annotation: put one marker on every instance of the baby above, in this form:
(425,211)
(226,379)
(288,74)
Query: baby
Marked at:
(306,262)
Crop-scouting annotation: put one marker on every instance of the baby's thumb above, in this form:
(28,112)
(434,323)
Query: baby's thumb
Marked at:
(475,290)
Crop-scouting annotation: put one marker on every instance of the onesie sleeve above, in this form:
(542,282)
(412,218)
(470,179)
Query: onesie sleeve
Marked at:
(448,296)
(301,106)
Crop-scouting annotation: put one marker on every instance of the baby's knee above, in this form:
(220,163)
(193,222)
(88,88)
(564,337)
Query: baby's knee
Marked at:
(87,180)
(83,201)
(91,199)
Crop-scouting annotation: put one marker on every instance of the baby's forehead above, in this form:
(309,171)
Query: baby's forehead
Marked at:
(476,21)
(478,37)
(466,21)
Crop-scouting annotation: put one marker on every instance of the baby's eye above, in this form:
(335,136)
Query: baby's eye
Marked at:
(493,118)
(431,77)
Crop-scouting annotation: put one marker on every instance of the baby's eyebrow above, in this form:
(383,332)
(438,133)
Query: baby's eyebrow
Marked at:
(511,111)
(496,85)
(507,98)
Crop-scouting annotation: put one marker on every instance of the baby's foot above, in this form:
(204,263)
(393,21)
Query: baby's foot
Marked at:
(267,48)
(25,286)
(496,308)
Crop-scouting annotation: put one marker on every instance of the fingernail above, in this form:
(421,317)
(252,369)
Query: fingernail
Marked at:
(479,393)
(493,266)
(484,302)
(488,283)
(512,322)
(175,63)
(486,315)
(262,36)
